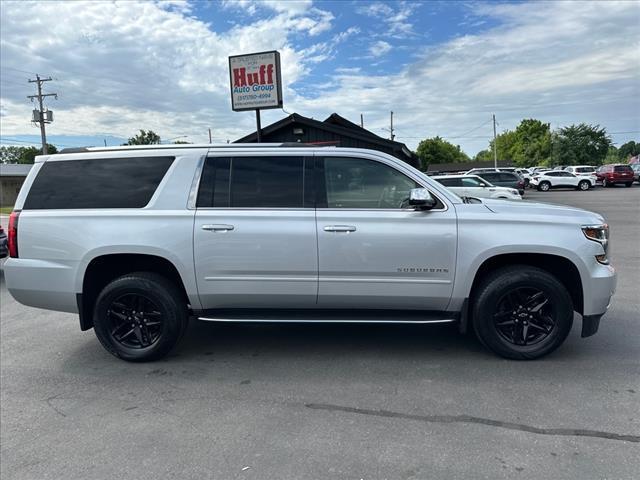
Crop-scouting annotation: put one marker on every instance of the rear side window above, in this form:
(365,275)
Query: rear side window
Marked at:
(508,177)
(450,182)
(622,169)
(491,177)
(256,182)
(585,169)
(97,183)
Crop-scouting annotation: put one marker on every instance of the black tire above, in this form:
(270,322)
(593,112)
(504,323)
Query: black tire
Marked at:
(544,186)
(584,185)
(605,183)
(157,325)
(530,335)
(628,184)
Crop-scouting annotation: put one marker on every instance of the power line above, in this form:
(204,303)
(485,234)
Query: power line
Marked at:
(472,130)
(17,70)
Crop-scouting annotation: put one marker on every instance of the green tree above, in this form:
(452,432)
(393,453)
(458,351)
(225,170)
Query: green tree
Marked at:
(629,149)
(148,137)
(529,144)
(505,143)
(532,143)
(580,145)
(612,155)
(9,154)
(437,150)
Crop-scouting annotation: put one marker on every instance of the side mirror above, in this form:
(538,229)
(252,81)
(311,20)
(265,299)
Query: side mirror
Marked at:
(421,199)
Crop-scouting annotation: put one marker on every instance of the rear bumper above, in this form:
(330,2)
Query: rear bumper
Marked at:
(42,283)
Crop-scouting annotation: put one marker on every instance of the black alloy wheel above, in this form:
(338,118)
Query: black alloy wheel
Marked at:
(524,316)
(136,321)
(521,312)
(140,316)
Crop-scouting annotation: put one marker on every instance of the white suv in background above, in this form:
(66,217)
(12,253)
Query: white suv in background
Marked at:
(581,170)
(544,181)
(474,186)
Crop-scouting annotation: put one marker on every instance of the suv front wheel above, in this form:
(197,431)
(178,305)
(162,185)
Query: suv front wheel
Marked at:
(522,312)
(140,316)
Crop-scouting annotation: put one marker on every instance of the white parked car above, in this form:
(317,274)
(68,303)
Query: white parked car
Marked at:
(474,186)
(581,170)
(560,179)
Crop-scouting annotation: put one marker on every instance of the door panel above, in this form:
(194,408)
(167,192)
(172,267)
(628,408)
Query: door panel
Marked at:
(267,259)
(388,257)
(254,237)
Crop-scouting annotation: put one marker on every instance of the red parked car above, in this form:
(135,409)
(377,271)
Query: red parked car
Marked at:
(611,174)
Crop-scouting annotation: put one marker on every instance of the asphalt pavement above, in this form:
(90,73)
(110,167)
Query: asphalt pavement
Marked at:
(329,401)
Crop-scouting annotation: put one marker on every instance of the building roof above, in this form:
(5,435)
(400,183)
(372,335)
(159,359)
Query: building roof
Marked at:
(14,169)
(337,125)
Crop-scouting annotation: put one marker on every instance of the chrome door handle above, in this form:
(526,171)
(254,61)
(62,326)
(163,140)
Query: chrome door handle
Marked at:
(339,228)
(218,228)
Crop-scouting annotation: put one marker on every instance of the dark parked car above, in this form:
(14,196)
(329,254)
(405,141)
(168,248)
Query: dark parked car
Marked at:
(504,179)
(609,175)
(4,250)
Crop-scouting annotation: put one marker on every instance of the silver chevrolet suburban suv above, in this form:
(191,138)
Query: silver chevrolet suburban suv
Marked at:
(137,240)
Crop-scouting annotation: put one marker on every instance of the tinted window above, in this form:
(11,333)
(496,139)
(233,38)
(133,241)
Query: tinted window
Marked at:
(97,183)
(471,182)
(491,177)
(585,169)
(361,183)
(253,182)
(509,177)
(623,169)
(449,182)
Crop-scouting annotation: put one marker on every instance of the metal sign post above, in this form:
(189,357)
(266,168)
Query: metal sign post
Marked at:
(258,126)
(256,83)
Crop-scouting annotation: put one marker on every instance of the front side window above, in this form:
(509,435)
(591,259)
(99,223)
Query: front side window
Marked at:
(254,182)
(471,183)
(362,183)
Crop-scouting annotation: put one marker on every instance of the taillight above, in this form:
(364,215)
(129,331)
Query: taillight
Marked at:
(12,234)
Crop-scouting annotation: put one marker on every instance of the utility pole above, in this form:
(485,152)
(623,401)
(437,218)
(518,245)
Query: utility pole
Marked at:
(209,135)
(391,129)
(361,121)
(39,115)
(495,146)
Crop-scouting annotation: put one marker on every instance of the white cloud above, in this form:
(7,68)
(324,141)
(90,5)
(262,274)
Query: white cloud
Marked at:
(397,19)
(379,48)
(122,66)
(567,62)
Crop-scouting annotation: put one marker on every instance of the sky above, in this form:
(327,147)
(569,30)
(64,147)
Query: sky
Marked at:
(442,67)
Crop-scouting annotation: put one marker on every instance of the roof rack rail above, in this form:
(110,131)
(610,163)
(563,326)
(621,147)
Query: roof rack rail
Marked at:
(74,150)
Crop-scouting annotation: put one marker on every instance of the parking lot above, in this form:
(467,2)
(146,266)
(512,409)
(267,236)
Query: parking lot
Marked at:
(330,401)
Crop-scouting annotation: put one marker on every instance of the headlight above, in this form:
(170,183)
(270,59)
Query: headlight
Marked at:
(515,192)
(600,234)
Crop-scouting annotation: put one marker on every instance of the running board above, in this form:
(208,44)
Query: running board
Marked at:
(327,316)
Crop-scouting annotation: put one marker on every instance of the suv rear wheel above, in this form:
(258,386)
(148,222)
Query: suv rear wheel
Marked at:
(140,316)
(522,312)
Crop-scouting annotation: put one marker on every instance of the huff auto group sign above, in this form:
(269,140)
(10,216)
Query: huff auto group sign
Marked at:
(255,81)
